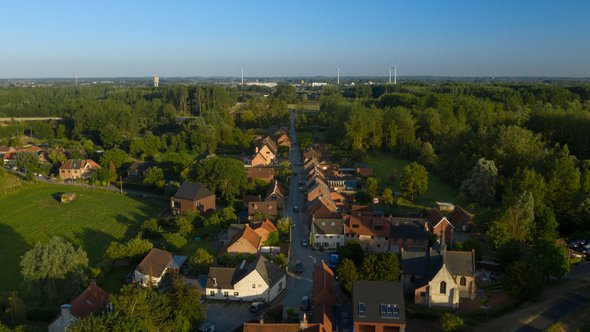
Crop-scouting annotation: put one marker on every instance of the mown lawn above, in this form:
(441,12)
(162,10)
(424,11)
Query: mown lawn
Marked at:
(385,165)
(92,221)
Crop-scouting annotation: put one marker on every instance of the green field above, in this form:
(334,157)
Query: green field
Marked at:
(92,221)
(385,165)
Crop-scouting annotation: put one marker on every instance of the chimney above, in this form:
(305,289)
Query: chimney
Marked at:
(66,314)
(256,151)
(261,319)
(303,323)
(214,282)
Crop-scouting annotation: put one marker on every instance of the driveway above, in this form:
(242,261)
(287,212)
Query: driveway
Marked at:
(230,315)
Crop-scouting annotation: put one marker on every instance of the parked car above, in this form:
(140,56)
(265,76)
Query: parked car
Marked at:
(255,307)
(298,267)
(296,209)
(333,260)
(304,242)
(304,306)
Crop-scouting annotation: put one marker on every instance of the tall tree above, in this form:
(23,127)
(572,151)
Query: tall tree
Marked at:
(414,180)
(347,273)
(550,258)
(55,270)
(480,186)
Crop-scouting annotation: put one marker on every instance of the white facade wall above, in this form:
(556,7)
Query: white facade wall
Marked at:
(145,280)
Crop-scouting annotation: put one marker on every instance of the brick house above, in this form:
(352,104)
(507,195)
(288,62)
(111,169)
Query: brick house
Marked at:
(378,306)
(77,169)
(372,232)
(192,196)
(439,224)
(92,300)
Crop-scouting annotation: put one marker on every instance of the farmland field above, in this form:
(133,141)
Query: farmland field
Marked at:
(92,221)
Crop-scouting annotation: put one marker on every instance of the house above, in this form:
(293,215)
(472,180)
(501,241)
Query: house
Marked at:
(282,138)
(372,232)
(259,280)
(266,174)
(92,300)
(266,153)
(317,188)
(311,153)
(322,205)
(461,219)
(363,171)
(324,296)
(275,193)
(77,169)
(440,225)
(378,306)
(246,199)
(327,233)
(409,234)
(154,266)
(138,169)
(439,279)
(249,239)
(192,196)
(266,208)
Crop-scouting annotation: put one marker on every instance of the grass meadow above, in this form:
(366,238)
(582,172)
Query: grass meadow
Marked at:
(32,214)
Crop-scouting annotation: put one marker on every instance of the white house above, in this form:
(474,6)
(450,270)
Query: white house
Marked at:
(154,266)
(259,280)
(327,233)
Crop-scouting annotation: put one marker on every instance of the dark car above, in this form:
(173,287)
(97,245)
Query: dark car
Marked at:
(298,267)
(304,242)
(296,209)
(304,306)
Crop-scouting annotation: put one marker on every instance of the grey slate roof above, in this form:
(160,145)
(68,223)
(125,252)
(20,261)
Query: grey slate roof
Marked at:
(270,272)
(223,276)
(193,191)
(408,231)
(227,277)
(415,263)
(375,293)
(328,226)
(459,262)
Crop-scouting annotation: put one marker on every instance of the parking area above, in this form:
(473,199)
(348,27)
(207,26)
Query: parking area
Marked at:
(227,316)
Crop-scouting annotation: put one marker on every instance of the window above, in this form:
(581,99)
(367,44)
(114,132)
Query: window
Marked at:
(383,310)
(463,281)
(395,311)
(443,287)
(280,285)
(253,285)
(236,293)
(212,293)
(361,309)
(226,294)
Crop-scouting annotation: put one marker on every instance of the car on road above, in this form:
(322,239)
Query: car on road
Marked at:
(304,305)
(296,209)
(255,307)
(333,260)
(298,267)
(301,189)
(304,243)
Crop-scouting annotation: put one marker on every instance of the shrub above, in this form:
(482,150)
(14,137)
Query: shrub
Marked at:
(201,261)
(451,323)
(175,240)
(151,229)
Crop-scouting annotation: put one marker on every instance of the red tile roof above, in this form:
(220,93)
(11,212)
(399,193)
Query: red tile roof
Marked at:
(91,300)
(366,225)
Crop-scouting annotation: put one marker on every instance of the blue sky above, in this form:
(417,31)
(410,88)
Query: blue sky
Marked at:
(290,38)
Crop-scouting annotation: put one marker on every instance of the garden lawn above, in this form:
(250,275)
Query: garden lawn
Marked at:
(92,221)
(384,165)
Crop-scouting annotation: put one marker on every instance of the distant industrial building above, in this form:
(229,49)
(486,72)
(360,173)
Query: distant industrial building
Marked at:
(156,81)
